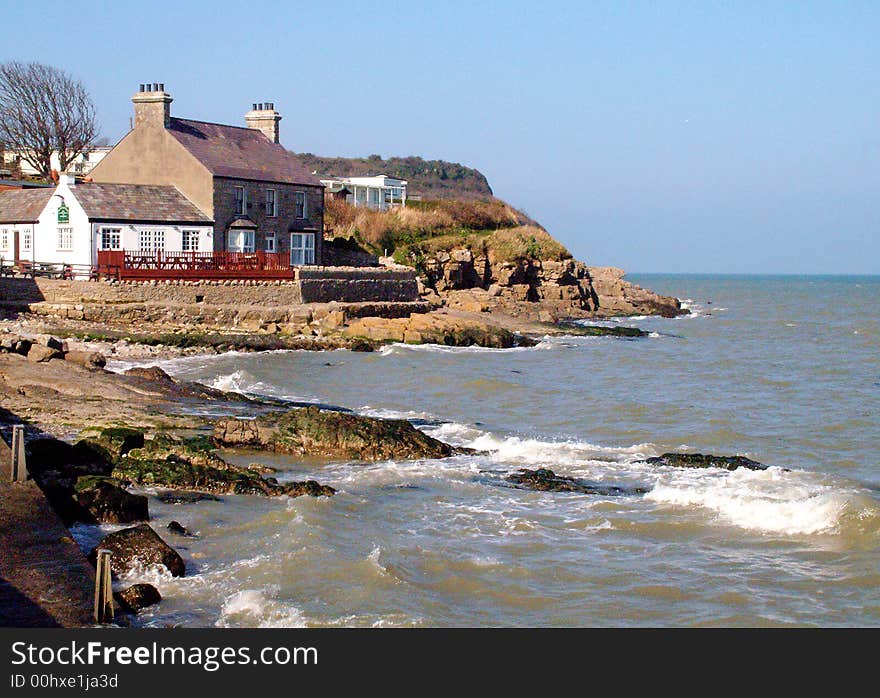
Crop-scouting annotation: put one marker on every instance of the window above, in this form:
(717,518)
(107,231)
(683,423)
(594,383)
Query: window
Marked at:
(111,238)
(65,238)
(302,248)
(241,241)
(374,197)
(189,240)
(240,200)
(270,242)
(270,203)
(152,240)
(27,239)
(4,239)
(300,208)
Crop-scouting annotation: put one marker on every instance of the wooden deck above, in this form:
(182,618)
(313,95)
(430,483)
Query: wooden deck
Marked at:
(161,265)
(45,580)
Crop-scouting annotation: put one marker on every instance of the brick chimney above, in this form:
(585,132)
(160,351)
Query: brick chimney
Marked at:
(152,106)
(263,117)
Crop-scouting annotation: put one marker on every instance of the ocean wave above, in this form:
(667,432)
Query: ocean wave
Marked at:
(401,348)
(259,608)
(789,502)
(769,501)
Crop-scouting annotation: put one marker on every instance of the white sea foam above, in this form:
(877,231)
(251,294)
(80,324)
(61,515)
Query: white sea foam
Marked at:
(400,348)
(772,500)
(259,608)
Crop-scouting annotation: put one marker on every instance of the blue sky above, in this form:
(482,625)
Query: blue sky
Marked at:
(669,137)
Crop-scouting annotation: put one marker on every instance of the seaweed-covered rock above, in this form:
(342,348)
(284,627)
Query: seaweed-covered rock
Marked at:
(110,442)
(102,500)
(311,431)
(545,480)
(140,544)
(185,497)
(600,331)
(311,488)
(137,597)
(700,460)
(191,464)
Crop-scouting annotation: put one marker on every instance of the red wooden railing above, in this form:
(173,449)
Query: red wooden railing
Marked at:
(160,264)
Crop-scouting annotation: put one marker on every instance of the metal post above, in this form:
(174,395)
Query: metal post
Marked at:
(19,466)
(103,589)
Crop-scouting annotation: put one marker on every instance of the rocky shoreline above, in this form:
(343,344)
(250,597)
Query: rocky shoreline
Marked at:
(121,433)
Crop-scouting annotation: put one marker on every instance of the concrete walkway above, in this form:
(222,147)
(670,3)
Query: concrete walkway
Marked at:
(45,580)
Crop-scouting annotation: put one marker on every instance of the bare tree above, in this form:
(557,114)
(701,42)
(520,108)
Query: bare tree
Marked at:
(44,109)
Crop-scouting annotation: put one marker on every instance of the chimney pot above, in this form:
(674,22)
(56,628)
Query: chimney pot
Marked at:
(155,87)
(255,106)
(142,87)
(161,87)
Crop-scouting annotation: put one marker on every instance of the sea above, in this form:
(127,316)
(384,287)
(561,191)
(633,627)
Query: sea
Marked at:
(782,369)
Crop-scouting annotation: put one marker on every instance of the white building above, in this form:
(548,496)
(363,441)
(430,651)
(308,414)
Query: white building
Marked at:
(379,192)
(70,223)
(81,165)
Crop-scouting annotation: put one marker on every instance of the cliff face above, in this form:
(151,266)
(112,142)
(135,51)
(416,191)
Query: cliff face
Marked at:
(545,290)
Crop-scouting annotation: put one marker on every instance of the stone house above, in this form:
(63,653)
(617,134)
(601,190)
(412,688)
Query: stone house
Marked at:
(259,195)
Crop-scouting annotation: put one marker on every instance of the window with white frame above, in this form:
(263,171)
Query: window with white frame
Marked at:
(241,241)
(300,206)
(271,208)
(240,200)
(189,240)
(65,239)
(375,195)
(152,240)
(111,238)
(4,239)
(27,239)
(269,242)
(302,248)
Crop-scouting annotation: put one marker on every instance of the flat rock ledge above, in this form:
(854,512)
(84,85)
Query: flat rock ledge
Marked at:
(545,480)
(701,460)
(315,432)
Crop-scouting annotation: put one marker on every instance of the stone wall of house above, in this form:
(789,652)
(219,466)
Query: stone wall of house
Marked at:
(281,224)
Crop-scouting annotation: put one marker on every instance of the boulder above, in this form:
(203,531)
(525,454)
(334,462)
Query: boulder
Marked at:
(316,432)
(40,354)
(545,480)
(137,597)
(88,359)
(139,544)
(179,529)
(103,501)
(700,460)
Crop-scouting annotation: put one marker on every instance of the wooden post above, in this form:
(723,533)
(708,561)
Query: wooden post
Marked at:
(18,465)
(103,589)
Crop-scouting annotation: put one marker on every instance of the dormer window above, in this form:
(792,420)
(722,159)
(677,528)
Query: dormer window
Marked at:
(240,200)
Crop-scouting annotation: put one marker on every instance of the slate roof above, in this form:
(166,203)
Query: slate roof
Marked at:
(240,153)
(23,205)
(136,202)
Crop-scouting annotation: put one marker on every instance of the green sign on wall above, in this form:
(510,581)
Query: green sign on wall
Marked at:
(63,214)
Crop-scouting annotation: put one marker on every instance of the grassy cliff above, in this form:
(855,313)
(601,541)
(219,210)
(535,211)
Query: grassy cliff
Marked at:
(431,179)
(422,229)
